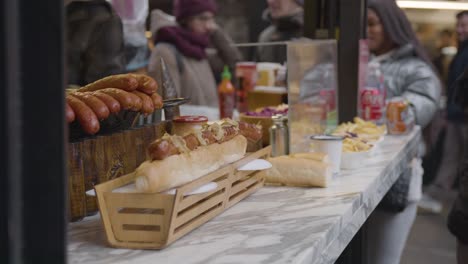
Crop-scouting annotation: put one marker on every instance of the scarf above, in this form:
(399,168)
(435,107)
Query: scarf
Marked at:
(188,43)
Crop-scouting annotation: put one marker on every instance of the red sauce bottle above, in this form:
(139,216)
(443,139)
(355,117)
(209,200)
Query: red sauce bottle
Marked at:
(226,95)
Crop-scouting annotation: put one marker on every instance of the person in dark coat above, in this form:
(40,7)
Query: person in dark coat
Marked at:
(458,216)
(452,150)
(287,22)
(94,42)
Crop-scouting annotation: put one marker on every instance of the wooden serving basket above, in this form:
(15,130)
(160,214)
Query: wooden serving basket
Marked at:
(155,220)
(98,159)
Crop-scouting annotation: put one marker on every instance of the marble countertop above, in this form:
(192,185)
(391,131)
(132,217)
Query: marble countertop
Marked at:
(273,225)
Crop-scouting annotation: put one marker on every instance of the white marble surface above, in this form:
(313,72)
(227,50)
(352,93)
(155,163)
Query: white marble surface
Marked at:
(274,225)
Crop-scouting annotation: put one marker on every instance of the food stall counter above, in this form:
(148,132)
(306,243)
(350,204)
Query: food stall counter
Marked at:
(273,225)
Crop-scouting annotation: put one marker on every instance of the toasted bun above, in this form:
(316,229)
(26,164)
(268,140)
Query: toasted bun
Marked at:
(298,171)
(176,170)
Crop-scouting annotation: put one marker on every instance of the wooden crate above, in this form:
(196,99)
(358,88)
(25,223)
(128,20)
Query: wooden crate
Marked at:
(155,220)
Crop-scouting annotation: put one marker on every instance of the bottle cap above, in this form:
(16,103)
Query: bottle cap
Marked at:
(226,74)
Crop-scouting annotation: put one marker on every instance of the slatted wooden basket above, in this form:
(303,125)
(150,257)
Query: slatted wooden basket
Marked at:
(155,220)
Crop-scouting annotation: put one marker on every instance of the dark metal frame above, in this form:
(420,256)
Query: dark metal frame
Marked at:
(353,21)
(33,179)
(322,18)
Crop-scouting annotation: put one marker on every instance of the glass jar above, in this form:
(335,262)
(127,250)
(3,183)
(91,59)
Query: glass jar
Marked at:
(183,125)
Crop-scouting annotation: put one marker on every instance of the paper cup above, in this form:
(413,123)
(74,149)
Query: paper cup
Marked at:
(331,145)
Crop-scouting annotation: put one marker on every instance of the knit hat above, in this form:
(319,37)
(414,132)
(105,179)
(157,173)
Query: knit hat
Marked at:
(187,8)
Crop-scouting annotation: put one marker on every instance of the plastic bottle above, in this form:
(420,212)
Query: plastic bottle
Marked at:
(226,95)
(328,95)
(372,96)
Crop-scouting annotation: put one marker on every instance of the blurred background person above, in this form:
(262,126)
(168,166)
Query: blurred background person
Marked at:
(452,149)
(407,72)
(446,50)
(458,216)
(134,14)
(94,41)
(287,21)
(184,44)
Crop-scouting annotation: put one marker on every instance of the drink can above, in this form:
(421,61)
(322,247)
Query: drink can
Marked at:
(372,102)
(399,117)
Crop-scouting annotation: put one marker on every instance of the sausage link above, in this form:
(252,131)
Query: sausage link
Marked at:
(99,107)
(147,106)
(128,101)
(229,133)
(191,141)
(146,84)
(157,101)
(125,82)
(208,137)
(69,113)
(85,116)
(112,104)
(250,131)
(161,149)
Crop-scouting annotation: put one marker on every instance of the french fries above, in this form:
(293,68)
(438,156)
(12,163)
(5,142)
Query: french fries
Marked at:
(358,134)
(355,145)
(363,129)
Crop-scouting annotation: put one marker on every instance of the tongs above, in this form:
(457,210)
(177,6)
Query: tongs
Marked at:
(174,102)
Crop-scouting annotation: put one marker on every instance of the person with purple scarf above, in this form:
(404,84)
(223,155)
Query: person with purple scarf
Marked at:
(184,43)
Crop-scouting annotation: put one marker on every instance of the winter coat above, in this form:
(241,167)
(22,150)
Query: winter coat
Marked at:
(410,77)
(94,41)
(281,29)
(458,217)
(193,78)
(457,67)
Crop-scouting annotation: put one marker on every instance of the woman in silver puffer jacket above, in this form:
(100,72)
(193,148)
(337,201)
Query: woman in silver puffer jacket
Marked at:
(411,77)
(408,73)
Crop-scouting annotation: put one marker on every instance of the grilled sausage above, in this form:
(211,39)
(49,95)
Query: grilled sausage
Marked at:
(128,101)
(112,104)
(125,82)
(85,116)
(146,84)
(69,114)
(191,141)
(250,131)
(157,101)
(161,149)
(99,107)
(147,106)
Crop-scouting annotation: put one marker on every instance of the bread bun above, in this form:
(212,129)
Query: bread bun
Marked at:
(176,170)
(299,170)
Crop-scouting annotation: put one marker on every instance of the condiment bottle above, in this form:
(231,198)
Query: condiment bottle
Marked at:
(226,94)
(279,138)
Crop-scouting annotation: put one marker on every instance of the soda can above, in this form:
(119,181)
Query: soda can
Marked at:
(399,117)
